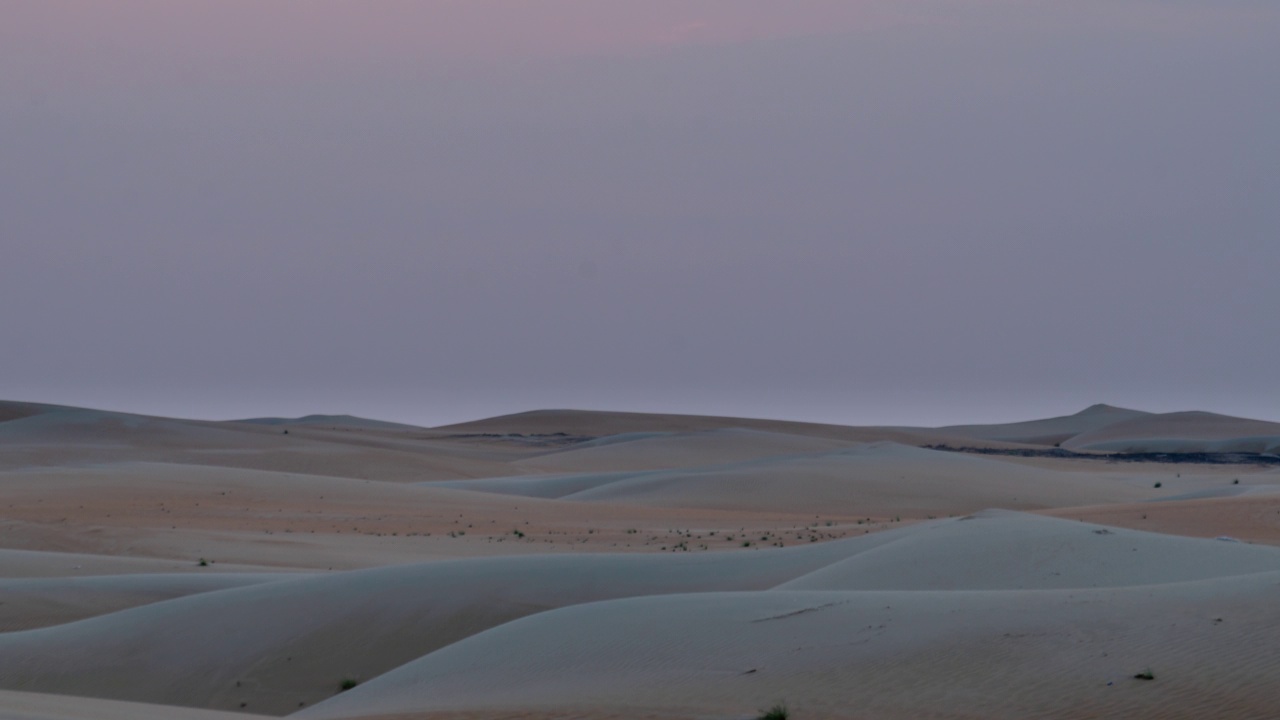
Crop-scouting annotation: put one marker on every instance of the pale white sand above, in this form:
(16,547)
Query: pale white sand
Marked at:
(898,654)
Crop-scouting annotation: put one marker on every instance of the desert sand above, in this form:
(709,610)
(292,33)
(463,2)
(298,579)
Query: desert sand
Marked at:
(588,564)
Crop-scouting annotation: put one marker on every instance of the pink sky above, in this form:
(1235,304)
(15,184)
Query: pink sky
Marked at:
(456,28)
(903,211)
(136,42)
(54,44)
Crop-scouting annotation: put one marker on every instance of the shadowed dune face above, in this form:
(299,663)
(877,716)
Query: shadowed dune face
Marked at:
(17,411)
(626,565)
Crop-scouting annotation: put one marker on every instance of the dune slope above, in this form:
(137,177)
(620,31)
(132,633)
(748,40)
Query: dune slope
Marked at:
(895,654)
(257,648)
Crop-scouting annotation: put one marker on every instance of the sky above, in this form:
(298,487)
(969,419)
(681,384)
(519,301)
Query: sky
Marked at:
(867,212)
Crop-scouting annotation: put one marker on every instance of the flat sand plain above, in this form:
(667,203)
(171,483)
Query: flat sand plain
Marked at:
(580,564)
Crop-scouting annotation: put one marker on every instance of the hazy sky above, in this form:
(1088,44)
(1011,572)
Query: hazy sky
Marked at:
(886,211)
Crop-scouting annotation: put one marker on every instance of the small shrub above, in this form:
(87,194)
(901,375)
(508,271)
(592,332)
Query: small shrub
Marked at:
(1158,484)
(203,563)
(347,684)
(1145,675)
(777,712)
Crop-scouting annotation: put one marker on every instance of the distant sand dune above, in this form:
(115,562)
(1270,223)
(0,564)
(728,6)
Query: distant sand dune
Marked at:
(61,436)
(1182,432)
(1051,431)
(335,421)
(874,479)
(671,450)
(599,423)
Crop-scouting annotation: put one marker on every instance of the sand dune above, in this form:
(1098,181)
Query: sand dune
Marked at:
(261,652)
(1001,550)
(548,487)
(597,423)
(1050,431)
(256,647)
(1182,432)
(62,436)
(643,451)
(1103,428)
(332,421)
(876,479)
(619,565)
(901,654)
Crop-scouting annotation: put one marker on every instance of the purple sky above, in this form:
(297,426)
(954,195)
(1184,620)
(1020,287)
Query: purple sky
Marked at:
(866,212)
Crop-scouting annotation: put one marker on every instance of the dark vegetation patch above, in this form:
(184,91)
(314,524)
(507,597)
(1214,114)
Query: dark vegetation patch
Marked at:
(535,439)
(1201,458)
